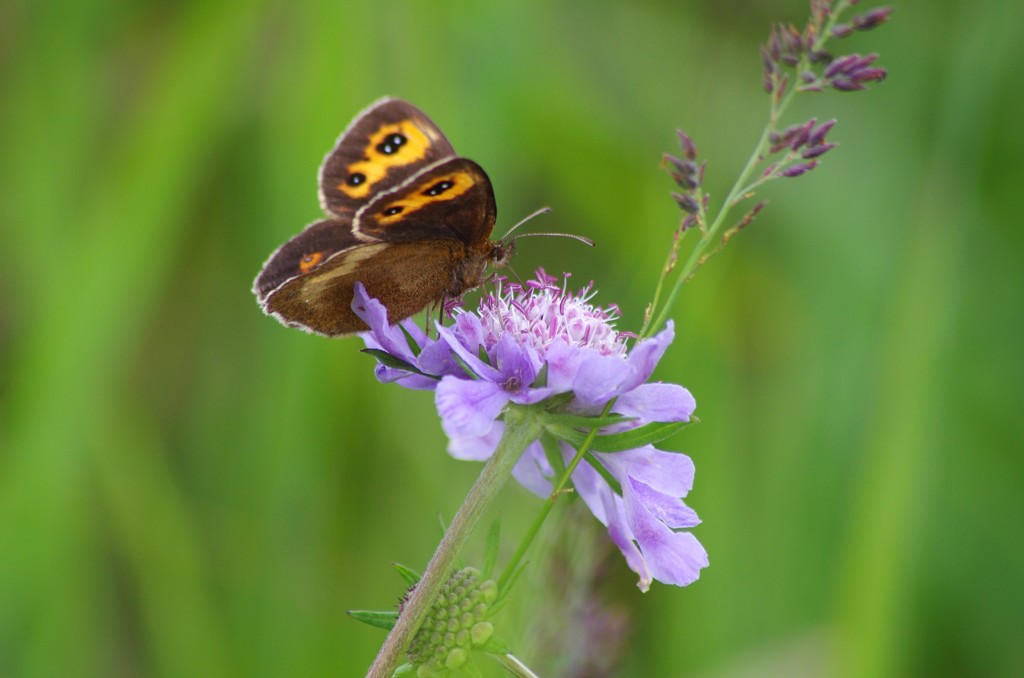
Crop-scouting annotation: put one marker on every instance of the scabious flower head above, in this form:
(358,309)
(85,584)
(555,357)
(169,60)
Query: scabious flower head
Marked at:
(539,344)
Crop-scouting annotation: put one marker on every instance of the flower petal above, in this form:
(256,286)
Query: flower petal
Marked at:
(479,367)
(517,364)
(563,363)
(533,471)
(476,448)
(388,338)
(673,557)
(667,472)
(666,508)
(600,377)
(468,408)
(645,356)
(656,402)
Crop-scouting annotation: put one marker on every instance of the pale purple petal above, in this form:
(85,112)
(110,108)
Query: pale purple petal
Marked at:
(656,402)
(387,375)
(469,330)
(600,377)
(645,356)
(517,364)
(667,472)
(479,367)
(673,557)
(590,486)
(468,408)
(533,471)
(666,508)
(476,448)
(563,365)
(387,337)
(622,536)
(436,358)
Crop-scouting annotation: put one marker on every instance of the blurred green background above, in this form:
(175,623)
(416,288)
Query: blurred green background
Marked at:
(189,489)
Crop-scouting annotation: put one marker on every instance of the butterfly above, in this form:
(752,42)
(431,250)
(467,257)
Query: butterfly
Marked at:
(406,217)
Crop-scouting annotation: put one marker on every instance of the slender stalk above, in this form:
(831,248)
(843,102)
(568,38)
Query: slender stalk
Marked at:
(521,428)
(740,188)
(545,510)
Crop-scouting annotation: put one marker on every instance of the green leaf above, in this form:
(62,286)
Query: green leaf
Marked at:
(579,421)
(380,618)
(385,358)
(554,455)
(413,346)
(411,576)
(599,467)
(491,548)
(648,434)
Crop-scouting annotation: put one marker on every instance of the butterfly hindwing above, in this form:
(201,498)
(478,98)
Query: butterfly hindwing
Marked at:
(304,253)
(406,217)
(404,276)
(385,145)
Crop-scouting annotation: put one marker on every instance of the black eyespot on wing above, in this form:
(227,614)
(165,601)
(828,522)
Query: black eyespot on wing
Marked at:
(391,144)
(392,211)
(355,179)
(439,188)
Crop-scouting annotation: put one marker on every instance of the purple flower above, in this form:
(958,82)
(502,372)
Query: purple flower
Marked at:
(540,345)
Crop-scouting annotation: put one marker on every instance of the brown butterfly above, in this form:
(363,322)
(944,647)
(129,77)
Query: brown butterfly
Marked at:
(406,217)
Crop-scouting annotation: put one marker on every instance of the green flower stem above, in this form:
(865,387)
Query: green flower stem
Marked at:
(740,188)
(522,426)
(549,504)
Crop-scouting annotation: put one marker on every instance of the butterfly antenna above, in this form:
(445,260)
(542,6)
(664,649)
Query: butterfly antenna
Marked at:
(542,210)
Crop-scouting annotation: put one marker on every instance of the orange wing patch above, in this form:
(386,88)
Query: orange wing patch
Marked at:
(392,145)
(439,189)
(309,262)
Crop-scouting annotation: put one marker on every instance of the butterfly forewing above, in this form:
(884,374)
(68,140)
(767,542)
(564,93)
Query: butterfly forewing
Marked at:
(409,220)
(385,145)
(452,198)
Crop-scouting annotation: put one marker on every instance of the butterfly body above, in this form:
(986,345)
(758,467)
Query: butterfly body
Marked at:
(407,218)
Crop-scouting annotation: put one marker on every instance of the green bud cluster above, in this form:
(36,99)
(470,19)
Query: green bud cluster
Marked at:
(456,624)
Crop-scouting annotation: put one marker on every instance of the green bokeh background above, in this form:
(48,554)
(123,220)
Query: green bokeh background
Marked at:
(189,489)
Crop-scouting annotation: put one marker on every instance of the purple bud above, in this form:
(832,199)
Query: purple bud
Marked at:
(689,222)
(870,75)
(802,134)
(686,143)
(790,60)
(840,65)
(841,30)
(687,202)
(774,45)
(875,17)
(684,181)
(812,152)
(844,85)
(769,170)
(818,135)
(798,169)
(808,77)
